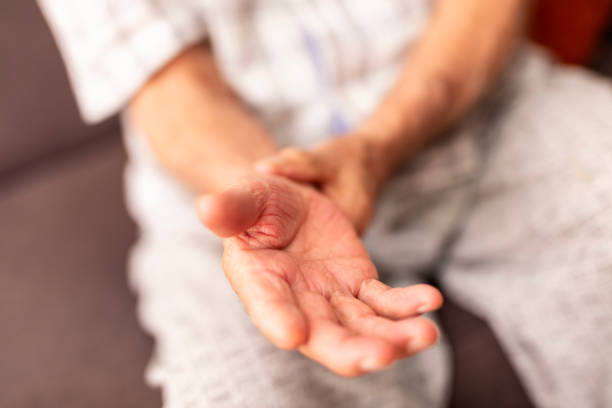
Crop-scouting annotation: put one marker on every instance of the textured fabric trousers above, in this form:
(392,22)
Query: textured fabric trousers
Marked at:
(513,212)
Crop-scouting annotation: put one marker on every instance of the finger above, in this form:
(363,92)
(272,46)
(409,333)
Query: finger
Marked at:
(292,163)
(399,303)
(270,302)
(232,211)
(410,335)
(342,351)
(352,200)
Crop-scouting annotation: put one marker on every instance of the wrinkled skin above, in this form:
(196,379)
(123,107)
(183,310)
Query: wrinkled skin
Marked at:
(307,282)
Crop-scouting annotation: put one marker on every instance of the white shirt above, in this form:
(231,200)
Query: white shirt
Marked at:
(307,68)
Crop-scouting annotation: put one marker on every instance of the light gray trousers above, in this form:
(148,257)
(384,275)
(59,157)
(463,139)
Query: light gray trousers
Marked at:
(513,210)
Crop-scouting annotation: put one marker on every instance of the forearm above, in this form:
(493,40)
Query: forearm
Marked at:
(196,126)
(464,47)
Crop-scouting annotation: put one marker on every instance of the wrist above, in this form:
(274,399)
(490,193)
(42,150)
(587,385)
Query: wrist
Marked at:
(407,118)
(372,155)
(382,154)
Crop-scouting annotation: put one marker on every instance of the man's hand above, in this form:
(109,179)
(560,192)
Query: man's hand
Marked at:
(307,282)
(348,170)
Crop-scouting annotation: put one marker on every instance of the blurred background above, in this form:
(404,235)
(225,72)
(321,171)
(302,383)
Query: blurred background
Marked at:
(68,331)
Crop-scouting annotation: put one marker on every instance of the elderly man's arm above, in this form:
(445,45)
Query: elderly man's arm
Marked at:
(196,125)
(463,48)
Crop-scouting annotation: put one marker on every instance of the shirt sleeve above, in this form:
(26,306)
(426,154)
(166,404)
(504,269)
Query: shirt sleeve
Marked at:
(111,47)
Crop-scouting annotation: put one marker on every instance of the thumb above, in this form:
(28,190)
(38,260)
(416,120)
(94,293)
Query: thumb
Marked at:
(233,211)
(294,164)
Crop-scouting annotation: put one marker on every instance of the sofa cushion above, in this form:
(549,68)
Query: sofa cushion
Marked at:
(38,115)
(69,333)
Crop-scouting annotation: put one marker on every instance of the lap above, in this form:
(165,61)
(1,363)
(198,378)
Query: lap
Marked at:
(543,201)
(514,209)
(533,256)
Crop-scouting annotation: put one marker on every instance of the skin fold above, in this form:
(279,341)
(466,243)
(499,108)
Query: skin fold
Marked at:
(292,252)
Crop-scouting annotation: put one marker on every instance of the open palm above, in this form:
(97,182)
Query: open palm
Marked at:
(307,281)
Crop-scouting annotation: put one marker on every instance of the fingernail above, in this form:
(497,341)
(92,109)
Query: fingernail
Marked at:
(422,309)
(369,364)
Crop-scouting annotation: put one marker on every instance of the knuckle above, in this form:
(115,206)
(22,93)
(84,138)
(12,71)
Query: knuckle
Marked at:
(294,154)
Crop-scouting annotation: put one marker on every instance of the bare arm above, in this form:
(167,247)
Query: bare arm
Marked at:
(462,50)
(196,125)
